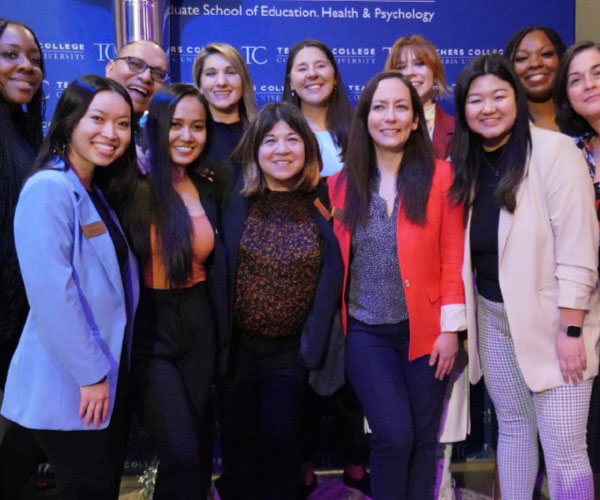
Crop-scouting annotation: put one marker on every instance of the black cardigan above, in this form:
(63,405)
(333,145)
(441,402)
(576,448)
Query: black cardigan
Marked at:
(315,334)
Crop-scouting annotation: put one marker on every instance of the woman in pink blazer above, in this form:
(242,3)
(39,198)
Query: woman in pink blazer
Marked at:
(530,274)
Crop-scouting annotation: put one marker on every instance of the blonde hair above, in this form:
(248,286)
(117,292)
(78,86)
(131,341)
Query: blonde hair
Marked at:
(247,106)
(246,153)
(424,50)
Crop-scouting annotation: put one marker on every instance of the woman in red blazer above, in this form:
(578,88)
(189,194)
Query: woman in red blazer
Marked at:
(417,59)
(401,239)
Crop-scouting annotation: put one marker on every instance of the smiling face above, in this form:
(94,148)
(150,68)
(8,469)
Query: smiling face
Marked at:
(418,72)
(536,64)
(20,65)
(140,86)
(312,77)
(281,157)
(583,85)
(391,117)
(491,109)
(102,134)
(222,86)
(187,134)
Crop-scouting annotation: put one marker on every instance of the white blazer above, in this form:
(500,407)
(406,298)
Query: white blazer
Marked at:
(548,258)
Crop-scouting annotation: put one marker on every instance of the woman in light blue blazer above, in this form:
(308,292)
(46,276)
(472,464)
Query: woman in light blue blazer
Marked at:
(67,380)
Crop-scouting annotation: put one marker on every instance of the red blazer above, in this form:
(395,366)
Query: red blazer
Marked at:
(443,129)
(430,257)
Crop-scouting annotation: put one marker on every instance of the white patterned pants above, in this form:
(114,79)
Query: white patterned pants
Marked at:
(559,414)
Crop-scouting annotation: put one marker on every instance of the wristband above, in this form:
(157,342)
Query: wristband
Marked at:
(574,331)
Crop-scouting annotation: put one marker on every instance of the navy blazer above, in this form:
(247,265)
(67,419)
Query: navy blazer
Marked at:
(81,317)
(216,266)
(326,302)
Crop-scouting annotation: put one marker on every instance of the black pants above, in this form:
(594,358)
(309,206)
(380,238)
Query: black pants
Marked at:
(173,374)
(351,445)
(261,416)
(20,454)
(89,464)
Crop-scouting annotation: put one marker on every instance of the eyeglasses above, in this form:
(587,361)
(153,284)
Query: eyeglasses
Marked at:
(139,66)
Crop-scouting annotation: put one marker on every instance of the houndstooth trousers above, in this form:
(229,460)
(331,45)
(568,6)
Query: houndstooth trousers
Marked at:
(559,414)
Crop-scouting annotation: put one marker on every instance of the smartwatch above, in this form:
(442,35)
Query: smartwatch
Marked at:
(574,331)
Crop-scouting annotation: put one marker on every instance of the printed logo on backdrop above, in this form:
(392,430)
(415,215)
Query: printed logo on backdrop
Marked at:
(184,54)
(104,51)
(53,89)
(382,13)
(353,92)
(462,55)
(358,32)
(63,50)
(343,55)
(456,55)
(252,54)
(268,92)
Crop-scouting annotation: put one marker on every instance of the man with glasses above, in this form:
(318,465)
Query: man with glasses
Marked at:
(141,67)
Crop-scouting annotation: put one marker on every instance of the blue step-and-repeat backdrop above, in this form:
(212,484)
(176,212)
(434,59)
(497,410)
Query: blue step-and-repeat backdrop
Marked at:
(78,35)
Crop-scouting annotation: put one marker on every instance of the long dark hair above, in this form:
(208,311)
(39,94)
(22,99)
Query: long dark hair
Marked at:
(339,111)
(71,107)
(467,150)
(153,200)
(568,120)
(416,167)
(26,121)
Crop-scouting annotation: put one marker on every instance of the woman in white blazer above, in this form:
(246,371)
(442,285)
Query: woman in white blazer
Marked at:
(67,380)
(530,275)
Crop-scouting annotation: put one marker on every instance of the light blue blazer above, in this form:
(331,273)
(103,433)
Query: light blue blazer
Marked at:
(80,316)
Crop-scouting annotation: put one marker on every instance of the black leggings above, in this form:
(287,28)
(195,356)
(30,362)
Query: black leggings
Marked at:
(173,373)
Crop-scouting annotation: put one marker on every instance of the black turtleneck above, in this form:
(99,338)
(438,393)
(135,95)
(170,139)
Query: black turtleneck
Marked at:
(484,228)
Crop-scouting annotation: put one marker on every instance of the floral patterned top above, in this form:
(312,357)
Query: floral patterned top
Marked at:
(279,261)
(584,143)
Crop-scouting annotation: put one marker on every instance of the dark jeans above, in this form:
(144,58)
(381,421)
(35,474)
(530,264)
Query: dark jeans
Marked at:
(173,374)
(403,404)
(89,464)
(261,415)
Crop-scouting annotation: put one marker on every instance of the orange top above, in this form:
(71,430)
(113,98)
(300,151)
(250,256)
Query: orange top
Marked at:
(202,245)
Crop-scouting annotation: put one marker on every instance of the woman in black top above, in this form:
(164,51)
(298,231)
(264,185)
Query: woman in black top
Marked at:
(21,75)
(21,115)
(171,217)
(535,53)
(285,280)
(222,76)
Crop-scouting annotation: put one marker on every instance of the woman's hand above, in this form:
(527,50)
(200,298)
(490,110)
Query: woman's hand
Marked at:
(444,351)
(94,403)
(571,356)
